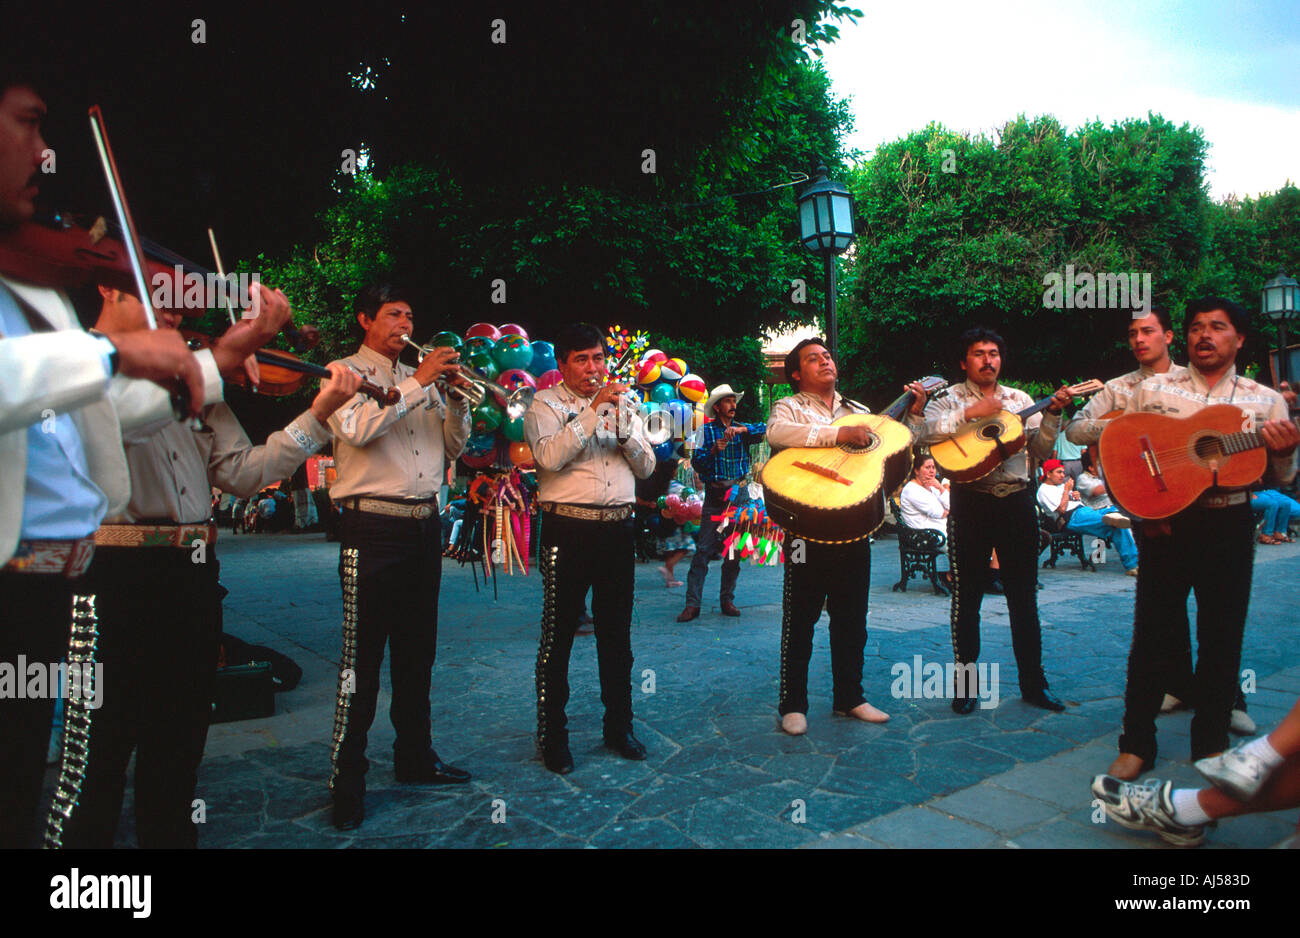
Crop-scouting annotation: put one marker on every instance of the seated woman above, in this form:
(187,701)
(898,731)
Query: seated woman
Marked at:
(924,500)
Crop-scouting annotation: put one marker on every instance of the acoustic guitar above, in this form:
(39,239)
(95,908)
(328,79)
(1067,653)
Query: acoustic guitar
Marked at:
(836,494)
(980,446)
(1157,465)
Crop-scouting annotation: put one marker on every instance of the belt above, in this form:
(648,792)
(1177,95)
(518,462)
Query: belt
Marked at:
(71,558)
(377,506)
(614,513)
(155,535)
(1222,501)
(1003,489)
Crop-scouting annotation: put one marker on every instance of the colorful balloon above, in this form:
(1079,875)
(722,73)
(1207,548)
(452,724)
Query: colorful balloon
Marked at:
(447,340)
(520,454)
(516,378)
(510,328)
(513,429)
(512,352)
(673,369)
(681,417)
(483,329)
(480,343)
(479,460)
(549,379)
(543,358)
(663,392)
(647,373)
(480,444)
(664,451)
(652,355)
(692,388)
(486,417)
(482,362)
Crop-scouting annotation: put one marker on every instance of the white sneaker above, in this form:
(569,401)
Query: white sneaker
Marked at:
(1146,806)
(1235,771)
(1117,520)
(1242,724)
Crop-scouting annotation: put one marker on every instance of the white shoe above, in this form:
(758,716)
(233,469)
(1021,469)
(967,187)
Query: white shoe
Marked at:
(1242,724)
(866,713)
(1170,704)
(1117,520)
(1235,771)
(796,724)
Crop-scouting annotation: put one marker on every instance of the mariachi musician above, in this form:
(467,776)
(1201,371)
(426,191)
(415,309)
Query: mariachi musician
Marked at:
(62,467)
(391,462)
(834,575)
(589,449)
(159,603)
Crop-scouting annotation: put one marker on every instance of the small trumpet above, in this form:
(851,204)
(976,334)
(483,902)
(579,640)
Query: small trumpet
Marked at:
(517,401)
(658,425)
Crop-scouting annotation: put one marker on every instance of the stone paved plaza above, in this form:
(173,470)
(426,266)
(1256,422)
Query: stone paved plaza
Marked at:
(720,773)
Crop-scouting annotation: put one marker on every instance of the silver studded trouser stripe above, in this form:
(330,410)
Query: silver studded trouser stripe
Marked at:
(77,717)
(549,557)
(348,659)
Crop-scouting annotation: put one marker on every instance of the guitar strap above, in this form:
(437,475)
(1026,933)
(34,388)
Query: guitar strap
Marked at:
(860,408)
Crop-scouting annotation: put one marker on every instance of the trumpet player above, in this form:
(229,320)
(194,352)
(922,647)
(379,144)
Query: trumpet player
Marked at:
(390,462)
(589,446)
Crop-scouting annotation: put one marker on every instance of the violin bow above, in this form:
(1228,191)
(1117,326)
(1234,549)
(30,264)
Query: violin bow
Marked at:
(221,272)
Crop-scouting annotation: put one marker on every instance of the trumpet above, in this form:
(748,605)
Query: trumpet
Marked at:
(658,425)
(516,402)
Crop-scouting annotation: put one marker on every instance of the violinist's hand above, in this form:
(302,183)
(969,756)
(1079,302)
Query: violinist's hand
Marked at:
(269,311)
(161,356)
(341,386)
(310,335)
(253,371)
(267,315)
(444,361)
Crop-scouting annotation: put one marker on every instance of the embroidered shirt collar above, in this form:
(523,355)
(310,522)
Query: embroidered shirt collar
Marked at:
(1199,382)
(379,360)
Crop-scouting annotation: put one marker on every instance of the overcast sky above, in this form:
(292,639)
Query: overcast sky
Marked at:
(1232,69)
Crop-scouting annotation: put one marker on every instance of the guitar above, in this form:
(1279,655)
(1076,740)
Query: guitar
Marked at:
(836,494)
(980,446)
(1157,465)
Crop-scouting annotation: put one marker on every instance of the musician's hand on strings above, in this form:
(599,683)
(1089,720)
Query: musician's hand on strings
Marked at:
(984,407)
(918,389)
(854,436)
(1280,436)
(253,371)
(335,391)
(1060,400)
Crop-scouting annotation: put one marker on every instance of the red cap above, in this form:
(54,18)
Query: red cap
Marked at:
(1051,464)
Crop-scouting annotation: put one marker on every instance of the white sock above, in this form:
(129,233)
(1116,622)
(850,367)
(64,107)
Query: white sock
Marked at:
(1263,750)
(1187,808)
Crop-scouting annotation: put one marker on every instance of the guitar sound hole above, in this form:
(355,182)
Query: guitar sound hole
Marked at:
(991,431)
(872,442)
(1207,447)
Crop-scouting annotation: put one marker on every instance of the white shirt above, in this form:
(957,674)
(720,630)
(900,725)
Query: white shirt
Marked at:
(923,507)
(1049,496)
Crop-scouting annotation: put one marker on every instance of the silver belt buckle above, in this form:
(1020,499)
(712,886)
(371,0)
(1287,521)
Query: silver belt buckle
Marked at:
(422,511)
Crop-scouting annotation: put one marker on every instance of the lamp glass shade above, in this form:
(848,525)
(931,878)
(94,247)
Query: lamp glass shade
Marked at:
(826,217)
(1280,298)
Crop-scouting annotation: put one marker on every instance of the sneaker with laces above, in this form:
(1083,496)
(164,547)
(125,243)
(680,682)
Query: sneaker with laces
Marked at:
(1237,772)
(1146,806)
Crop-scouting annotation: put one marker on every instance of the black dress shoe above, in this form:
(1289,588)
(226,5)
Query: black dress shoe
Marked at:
(995,586)
(349,810)
(627,746)
(429,770)
(963,705)
(1045,699)
(558,759)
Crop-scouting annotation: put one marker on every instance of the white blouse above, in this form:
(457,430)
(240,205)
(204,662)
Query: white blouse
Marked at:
(923,507)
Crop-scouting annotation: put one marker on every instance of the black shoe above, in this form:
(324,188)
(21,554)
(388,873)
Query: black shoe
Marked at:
(1045,699)
(995,586)
(349,810)
(429,770)
(963,705)
(626,745)
(558,759)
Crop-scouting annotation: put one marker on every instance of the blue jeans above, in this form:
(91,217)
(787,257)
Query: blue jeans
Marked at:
(1278,509)
(1087,520)
(705,543)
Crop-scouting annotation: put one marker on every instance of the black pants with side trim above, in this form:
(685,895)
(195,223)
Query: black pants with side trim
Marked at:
(978,524)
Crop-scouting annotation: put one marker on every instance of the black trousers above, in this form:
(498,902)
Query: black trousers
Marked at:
(978,524)
(578,555)
(1212,552)
(159,627)
(838,576)
(391,571)
(35,616)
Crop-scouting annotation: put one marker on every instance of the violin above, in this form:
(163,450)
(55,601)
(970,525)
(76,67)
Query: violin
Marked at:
(283,373)
(62,250)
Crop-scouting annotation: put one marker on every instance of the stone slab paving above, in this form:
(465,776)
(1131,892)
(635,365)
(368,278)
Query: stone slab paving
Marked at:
(720,773)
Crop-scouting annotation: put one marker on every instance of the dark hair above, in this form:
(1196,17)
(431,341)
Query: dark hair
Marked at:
(979,334)
(576,337)
(19,74)
(792,357)
(1085,459)
(371,298)
(1236,313)
(922,457)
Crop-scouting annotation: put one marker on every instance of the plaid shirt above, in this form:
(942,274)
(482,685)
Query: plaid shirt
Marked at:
(732,462)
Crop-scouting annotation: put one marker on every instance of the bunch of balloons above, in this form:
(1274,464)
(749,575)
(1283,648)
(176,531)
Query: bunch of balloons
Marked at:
(672,398)
(505,355)
(685,508)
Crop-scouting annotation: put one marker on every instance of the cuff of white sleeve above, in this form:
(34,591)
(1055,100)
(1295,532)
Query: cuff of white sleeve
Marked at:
(308,432)
(213,388)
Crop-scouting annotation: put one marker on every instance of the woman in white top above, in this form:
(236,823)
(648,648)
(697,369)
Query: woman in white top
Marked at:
(924,500)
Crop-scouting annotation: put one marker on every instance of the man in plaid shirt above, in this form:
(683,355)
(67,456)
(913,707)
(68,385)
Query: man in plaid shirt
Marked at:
(722,460)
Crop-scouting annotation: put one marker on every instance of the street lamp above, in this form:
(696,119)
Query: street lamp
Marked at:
(826,228)
(1280,301)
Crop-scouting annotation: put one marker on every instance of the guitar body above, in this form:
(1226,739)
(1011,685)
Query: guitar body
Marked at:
(1157,465)
(836,494)
(974,451)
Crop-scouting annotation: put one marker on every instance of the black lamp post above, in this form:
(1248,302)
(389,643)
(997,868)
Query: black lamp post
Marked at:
(826,228)
(1280,302)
